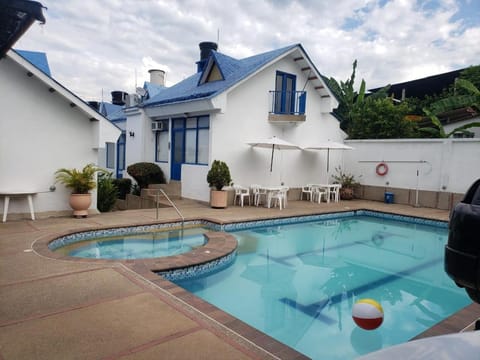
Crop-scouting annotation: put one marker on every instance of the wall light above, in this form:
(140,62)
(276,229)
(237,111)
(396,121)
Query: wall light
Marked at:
(131,133)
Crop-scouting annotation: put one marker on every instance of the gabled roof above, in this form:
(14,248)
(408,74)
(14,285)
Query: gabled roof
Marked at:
(152,89)
(107,109)
(39,59)
(55,86)
(233,72)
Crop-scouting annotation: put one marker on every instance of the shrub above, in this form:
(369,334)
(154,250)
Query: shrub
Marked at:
(124,187)
(219,175)
(107,193)
(146,173)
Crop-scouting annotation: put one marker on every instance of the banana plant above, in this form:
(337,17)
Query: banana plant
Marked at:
(472,99)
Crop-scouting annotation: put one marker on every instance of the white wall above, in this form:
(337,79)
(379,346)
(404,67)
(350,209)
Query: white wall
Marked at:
(450,165)
(475,130)
(41,133)
(247,119)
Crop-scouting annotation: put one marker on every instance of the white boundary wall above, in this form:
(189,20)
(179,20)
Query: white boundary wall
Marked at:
(445,165)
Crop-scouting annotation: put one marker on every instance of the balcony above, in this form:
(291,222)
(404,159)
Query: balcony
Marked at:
(287,106)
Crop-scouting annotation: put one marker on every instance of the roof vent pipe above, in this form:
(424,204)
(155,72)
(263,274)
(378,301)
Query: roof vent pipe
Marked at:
(205,49)
(157,77)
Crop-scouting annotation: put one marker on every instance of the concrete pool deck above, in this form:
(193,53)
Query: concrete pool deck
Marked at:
(54,308)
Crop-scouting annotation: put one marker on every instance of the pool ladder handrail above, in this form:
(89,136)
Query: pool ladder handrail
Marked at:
(157,193)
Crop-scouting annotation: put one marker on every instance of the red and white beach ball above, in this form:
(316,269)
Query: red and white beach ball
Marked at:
(367,314)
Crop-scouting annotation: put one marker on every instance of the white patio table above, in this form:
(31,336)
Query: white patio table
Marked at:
(15,194)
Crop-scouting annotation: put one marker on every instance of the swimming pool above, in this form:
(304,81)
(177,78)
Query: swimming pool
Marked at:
(298,282)
(132,243)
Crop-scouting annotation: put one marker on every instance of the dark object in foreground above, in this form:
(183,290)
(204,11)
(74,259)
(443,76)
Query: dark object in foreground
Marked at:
(462,252)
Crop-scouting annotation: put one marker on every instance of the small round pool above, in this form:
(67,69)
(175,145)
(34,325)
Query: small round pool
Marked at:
(133,244)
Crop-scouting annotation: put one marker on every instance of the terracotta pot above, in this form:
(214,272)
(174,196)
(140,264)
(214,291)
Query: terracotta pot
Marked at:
(346,193)
(218,199)
(80,204)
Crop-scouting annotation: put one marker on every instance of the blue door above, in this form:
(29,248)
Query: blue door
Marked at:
(178,148)
(120,155)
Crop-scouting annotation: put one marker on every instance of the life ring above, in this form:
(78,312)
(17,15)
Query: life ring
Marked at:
(381,169)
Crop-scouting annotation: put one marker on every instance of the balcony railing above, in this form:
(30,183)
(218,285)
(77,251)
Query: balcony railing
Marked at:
(288,102)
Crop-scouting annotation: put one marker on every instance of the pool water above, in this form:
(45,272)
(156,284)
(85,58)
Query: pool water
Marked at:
(143,245)
(298,283)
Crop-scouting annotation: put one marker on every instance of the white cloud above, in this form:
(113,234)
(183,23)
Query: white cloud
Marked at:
(110,45)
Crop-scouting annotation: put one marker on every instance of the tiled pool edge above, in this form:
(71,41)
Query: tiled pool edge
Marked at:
(228,321)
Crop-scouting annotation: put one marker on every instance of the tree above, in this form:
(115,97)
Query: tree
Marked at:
(347,97)
(349,100)
(381,119)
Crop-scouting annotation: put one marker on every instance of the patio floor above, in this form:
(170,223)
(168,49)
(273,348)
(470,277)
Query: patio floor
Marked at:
(52,308)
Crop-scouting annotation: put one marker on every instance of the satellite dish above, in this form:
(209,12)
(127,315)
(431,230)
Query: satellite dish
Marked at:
(141,91)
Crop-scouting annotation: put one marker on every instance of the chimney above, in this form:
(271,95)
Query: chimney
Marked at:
(94,104)
(118,97)
(205,48)
(157,77)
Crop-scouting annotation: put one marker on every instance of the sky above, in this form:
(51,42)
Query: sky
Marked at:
(95,47)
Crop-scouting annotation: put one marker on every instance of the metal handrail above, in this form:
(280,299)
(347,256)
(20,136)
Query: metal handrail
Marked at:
(171,203)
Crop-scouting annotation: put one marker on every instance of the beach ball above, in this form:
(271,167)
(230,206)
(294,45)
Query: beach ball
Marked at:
(367,314)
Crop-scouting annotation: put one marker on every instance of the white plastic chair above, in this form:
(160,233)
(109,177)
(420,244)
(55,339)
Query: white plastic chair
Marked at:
(318,194)
(279,198)
(335,193)
(308,191)
(258,192)
(241,193)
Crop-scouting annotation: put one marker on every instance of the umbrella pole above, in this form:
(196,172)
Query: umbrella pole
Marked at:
(271,160)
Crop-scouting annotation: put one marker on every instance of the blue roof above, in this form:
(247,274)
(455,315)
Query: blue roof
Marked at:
(108,109)
(233,71)
(38,59)
(152,89)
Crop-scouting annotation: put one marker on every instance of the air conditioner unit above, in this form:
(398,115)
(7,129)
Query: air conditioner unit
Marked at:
(157,126)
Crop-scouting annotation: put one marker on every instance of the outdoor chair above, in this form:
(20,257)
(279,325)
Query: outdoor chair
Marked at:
(308,191)
(279,198)
(241,193)
(258,193)
(318,194)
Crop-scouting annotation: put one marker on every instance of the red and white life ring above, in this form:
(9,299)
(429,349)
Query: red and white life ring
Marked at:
(381,169)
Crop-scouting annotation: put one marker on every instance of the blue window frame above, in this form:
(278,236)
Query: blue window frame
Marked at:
(285,85)
(121,154)
(285,99)
(196,140)
(190,143)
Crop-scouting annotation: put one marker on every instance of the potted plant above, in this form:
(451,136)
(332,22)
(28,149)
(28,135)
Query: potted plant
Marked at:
(80,182)
(347,181)
(218,177)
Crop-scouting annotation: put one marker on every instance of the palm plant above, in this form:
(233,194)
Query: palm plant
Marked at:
(80,181)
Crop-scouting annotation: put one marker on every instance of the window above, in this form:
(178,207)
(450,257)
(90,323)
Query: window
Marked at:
(284,93)
(161,143)
(110,161)
(196,140)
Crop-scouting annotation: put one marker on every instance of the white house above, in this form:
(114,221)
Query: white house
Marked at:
(214,113)
(44,127)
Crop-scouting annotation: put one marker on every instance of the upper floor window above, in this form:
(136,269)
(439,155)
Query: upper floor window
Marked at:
(285,98)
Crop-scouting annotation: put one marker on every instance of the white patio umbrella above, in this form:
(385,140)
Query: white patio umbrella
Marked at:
(273,143)
(329,145)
